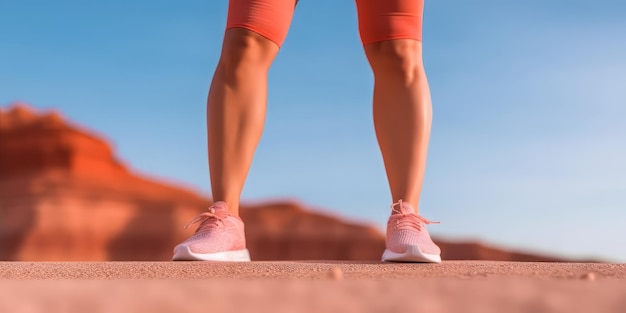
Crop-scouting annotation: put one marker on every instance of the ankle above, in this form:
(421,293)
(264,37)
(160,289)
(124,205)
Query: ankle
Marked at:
(403,207)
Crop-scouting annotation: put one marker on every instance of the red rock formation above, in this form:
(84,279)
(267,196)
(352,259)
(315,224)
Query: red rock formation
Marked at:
(32,143)
(64,196)
(471,250)
(285,231)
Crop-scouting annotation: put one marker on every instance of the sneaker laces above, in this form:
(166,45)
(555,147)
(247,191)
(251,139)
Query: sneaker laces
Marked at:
(410,220)
(210,218)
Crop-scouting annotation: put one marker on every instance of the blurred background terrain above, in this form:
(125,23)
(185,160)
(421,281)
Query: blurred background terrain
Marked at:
(64,195)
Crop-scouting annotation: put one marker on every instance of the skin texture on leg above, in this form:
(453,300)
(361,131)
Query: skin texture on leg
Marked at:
(236,111)
(238,94)
(402,114)
(391,32)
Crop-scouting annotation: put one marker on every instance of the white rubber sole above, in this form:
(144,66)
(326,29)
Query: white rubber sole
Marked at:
(412,254)
(183,253)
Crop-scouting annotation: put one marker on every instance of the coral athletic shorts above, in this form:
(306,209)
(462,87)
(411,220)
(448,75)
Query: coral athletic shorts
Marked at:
(378,19)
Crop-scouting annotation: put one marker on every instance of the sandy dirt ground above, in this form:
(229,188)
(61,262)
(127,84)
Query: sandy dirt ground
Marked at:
(312,286)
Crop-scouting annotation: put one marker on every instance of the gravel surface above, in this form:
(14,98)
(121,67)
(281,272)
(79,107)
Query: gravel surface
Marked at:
(312,286)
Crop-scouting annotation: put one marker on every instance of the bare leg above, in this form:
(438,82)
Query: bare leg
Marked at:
(236,111)
(402,114)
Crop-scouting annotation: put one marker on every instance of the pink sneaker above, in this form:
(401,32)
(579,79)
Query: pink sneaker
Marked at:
(220,237)
(407,237)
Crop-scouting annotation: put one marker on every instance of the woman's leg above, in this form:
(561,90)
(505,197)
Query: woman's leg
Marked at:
(235,117)
(391,35)
(402,114)
(391,31)
(237,97)
(236,111)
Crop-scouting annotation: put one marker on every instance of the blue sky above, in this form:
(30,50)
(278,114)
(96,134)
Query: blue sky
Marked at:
(528,146)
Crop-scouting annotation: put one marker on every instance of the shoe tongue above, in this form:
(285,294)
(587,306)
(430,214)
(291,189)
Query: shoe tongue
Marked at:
(405,208)
(220,207)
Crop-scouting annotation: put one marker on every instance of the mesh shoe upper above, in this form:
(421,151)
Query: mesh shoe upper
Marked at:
(218,231)
(405,228)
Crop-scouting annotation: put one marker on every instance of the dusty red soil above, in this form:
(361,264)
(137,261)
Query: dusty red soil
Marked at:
(461,286)
(307,270)
(65,196)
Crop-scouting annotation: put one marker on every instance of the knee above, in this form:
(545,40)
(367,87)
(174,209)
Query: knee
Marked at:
(244,49)
(396,59)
